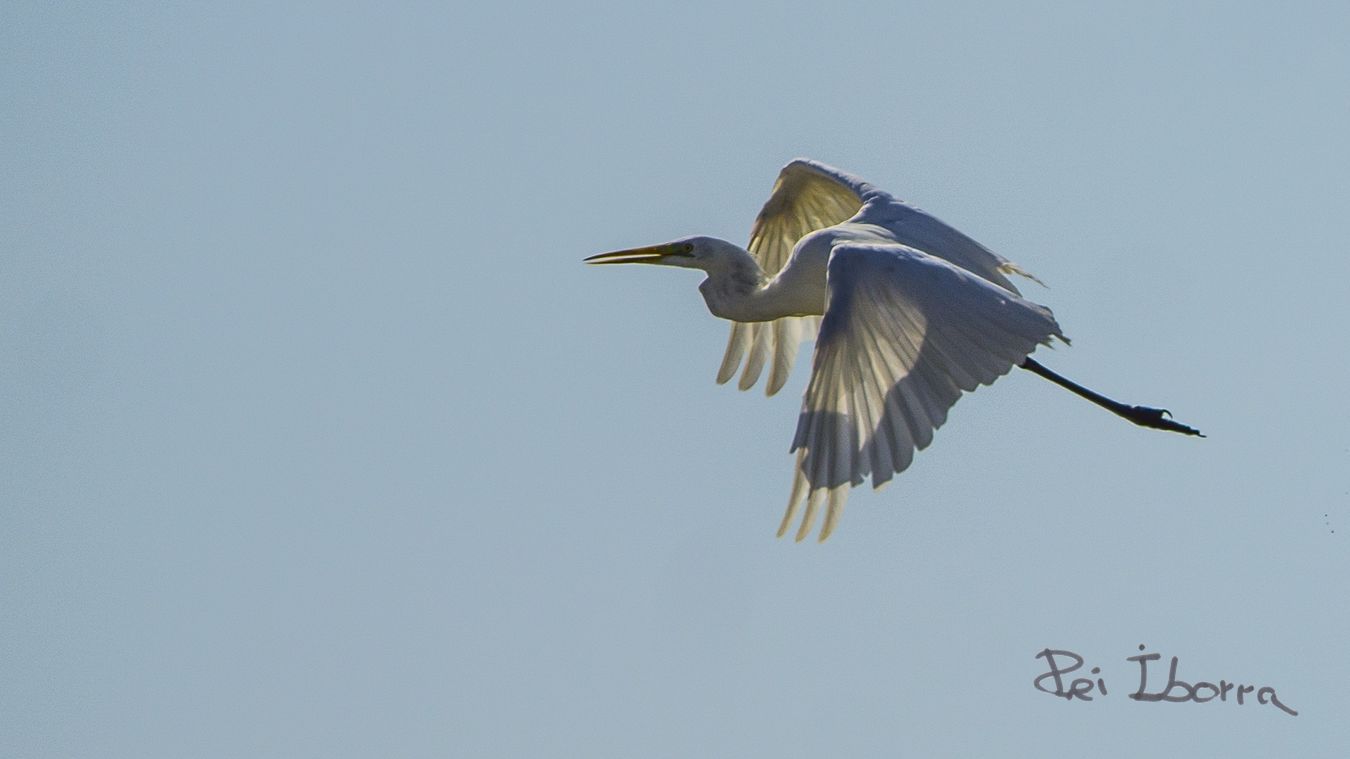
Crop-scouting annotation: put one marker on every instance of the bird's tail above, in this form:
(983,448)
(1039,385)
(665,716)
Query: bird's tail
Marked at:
(1008,267)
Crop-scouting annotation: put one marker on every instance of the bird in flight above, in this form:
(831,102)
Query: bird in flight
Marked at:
(906,312)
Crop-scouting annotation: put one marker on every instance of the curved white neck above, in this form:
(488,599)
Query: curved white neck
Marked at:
(739,290)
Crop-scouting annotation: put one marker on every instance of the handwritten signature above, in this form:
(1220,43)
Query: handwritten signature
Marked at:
(1063,662)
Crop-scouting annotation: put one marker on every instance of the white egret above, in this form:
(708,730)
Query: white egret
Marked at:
(907,313)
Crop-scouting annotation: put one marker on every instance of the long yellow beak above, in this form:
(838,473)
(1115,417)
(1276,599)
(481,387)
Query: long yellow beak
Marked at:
(652,254)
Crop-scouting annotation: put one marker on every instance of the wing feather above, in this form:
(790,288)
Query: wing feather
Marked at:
(736,345)
(904,334)
(918,229)
(807,196)
(760,340)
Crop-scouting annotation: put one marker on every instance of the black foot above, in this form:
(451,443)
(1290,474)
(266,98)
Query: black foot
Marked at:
(1156,418)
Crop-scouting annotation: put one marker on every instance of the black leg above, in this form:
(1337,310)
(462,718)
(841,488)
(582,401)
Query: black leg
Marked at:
(1140,415)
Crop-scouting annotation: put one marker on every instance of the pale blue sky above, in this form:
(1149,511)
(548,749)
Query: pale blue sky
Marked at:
(317,439)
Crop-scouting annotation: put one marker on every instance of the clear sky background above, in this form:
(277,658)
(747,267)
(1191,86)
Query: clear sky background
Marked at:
(317,439)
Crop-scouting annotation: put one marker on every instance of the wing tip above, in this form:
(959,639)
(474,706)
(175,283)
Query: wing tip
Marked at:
(834,498)
(774,384)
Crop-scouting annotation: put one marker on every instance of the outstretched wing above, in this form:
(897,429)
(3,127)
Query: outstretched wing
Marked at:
(923,231)
(904,333)
(807,196)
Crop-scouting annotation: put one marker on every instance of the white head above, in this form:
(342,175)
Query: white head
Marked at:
(707,253)
(735,284)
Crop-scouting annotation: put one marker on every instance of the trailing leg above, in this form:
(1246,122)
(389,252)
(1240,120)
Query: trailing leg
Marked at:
(1143,416)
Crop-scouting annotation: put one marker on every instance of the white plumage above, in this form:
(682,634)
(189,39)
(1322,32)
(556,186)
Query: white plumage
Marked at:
(907,312)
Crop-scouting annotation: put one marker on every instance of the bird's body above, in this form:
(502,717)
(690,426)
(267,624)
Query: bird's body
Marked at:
(907,313)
